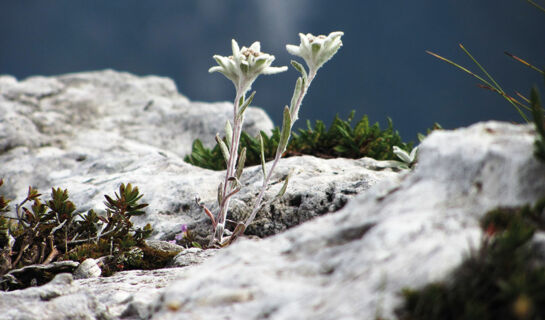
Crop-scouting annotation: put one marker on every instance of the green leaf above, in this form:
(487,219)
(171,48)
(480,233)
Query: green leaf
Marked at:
(286,131)
(284,186)
(196,245)
(296,95)
(299,67)
(420,137)
(223,147)
(340,139)
(228,133)
(245,105)
(240,164)
(220,193)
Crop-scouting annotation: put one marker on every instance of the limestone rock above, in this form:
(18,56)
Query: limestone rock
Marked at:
(89,132)
(97,130)
(192,256)
(89,268)
(59,299)
(353,264)
(128,293)
(50,127)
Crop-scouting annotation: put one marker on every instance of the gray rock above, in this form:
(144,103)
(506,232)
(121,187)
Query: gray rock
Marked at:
(89,268)
(51,127)
(128,293)
(89,132)
(354,263)
(164,246)
(192,256)
(97,130)
(59,299)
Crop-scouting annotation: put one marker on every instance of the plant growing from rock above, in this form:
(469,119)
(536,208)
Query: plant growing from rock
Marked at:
(242,68)
(504,279)
(41,231)
(342,139)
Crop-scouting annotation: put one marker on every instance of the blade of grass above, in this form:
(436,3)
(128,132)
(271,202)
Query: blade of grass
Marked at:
(459,67)
(497,86)
(506,96)
(536,5)
(525,63)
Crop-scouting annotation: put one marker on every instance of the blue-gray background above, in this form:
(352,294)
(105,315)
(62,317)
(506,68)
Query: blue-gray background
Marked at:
(382,70)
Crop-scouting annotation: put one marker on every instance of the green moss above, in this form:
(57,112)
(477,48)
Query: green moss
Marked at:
(341,139)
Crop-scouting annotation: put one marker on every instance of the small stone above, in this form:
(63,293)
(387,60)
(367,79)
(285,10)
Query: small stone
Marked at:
(89,268)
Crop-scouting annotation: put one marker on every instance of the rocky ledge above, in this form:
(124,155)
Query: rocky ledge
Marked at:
(390,229)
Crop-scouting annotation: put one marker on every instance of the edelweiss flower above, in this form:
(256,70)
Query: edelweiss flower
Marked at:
(245,65)
(316,50)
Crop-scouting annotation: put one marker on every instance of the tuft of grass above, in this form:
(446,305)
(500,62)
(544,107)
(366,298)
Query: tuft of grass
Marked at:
(341,139)
(487,82)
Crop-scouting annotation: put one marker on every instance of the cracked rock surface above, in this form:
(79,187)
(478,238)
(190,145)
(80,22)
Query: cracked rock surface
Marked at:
(90,132)
(341,244)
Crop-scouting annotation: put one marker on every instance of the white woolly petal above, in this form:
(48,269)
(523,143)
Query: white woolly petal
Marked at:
(214,69)
(293,50)
(256,46)
(305,44)
(273,70)
(235,48)
(336,34)
(263,56)
(222,61)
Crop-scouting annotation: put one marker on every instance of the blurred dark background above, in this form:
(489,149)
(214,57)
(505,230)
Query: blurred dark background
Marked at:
(382,70)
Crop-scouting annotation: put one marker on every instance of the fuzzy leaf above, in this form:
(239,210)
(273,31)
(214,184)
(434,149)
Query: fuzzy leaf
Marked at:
(223,147)
(286,131)
(220,193)
(284,186)
(245,105)
(299,67)
(228,133)
(240,164)
(296,95)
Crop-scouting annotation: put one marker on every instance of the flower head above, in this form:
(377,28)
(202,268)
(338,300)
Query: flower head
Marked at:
(316,50)
(245,65)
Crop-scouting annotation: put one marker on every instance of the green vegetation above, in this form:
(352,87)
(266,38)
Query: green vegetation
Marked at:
(523,105)
(42,232)
(504,279)
(341,139)
(539,121)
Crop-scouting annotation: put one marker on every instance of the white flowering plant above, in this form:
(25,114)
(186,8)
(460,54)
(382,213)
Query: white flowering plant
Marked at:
(242,68)
(407,158)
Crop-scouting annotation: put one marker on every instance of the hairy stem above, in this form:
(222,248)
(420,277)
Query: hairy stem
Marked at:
(231,165)
(278,155)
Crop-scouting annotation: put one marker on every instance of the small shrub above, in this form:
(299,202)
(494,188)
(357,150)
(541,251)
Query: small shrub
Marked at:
(341,140)
(47,231)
